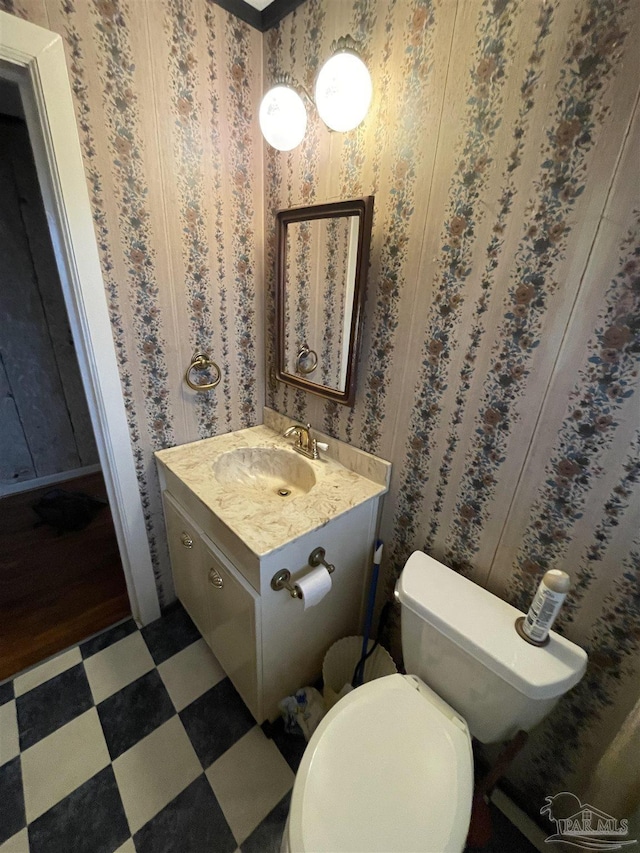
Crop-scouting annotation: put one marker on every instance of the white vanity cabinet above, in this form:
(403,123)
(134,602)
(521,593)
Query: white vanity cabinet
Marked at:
(294,639)
(266,641)
(186,551)
(223,606)
(226,544)
(233,632)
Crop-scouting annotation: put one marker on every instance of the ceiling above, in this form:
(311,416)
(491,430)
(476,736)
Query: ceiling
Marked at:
(259,4)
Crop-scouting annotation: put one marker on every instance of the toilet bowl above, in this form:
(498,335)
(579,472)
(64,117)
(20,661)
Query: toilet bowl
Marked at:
(390,767)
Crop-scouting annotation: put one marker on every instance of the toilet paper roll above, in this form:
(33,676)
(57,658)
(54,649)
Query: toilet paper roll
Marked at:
(314,586)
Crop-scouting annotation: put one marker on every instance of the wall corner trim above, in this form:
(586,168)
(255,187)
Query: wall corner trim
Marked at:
(262,21)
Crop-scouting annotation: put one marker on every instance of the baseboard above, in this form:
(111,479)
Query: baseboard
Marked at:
(520,820)
(48,480)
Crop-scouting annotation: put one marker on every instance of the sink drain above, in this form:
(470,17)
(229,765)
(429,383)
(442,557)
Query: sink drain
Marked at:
(284,493)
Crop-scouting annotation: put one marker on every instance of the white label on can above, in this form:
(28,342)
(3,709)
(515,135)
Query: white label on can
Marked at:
(542,613)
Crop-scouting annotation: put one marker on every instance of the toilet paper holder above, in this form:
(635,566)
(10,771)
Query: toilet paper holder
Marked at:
(282,579)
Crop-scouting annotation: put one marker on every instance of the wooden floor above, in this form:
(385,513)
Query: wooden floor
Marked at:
(55,589)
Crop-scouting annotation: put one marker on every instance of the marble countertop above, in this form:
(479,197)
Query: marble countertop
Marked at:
(262,520)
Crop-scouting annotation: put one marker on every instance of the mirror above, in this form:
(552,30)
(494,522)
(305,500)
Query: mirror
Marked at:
(323,258)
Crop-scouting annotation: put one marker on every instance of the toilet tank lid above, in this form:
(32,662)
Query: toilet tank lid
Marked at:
(483,625)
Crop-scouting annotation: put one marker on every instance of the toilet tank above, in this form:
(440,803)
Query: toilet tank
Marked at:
(461,641)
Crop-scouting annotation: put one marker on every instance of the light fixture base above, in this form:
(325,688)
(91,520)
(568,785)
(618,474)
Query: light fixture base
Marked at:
(284,78)
(346,44)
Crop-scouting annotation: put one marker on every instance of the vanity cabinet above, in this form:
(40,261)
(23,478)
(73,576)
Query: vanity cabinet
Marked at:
(223,606)
(266,641)
(186,552)
(233,631)
(228,539)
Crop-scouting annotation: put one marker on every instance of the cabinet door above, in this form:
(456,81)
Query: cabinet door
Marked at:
(234,627)
(186,551)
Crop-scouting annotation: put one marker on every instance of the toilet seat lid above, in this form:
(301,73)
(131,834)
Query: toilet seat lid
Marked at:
(389,768)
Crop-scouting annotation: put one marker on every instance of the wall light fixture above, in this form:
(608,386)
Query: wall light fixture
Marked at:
(343,93)
(343,88)
(283,115)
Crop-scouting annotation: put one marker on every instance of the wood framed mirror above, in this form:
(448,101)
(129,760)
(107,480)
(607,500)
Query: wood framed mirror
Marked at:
(321,273)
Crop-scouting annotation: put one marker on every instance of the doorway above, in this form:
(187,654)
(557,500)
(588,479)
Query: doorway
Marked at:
(33,58)
(61,578)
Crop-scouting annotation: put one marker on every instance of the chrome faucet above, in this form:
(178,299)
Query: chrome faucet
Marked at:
(305,444)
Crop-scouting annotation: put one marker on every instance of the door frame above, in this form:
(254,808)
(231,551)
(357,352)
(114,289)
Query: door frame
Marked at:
(33,57)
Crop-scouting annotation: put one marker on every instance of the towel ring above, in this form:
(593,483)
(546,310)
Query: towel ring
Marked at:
(307,360)
(201,362)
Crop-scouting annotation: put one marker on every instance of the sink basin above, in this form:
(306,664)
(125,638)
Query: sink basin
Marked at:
(266,470)
(236,477)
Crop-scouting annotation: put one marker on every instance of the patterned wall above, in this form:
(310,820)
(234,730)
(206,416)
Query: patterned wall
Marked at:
(499,366)
(499,370)
(319,294)
(165,94)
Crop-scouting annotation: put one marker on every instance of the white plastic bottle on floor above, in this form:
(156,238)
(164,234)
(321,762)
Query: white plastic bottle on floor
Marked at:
(546,604)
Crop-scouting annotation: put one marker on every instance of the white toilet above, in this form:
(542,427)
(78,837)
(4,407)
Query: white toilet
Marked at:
(390,767)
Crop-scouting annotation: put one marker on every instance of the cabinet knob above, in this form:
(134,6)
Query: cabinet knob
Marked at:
(216,578)
(186,540)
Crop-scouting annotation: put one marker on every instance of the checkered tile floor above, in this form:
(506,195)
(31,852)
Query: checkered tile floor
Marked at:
(136,741)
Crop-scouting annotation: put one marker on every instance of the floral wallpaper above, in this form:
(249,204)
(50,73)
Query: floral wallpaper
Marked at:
(499,368)
(166,92)
(499,364)
(337,287)
(316,292)
(298,301)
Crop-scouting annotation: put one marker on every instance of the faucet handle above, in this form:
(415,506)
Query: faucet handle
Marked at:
(294,429)
(322,445)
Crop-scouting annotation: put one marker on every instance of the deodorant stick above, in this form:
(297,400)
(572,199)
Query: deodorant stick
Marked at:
(546,604)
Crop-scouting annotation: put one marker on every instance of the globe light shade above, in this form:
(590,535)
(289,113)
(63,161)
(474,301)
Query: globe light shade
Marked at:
(343,91)
(283,118)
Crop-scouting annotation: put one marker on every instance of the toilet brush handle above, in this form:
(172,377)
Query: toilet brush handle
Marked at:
(358,675)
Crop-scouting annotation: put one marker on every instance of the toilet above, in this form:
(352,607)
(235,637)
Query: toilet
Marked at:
(390,768)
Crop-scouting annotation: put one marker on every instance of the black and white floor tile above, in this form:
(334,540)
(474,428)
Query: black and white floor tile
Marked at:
(136,742)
